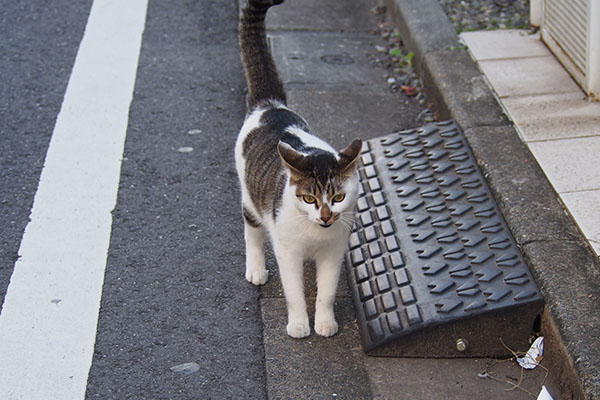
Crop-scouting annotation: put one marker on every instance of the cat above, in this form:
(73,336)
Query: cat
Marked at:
(294,186)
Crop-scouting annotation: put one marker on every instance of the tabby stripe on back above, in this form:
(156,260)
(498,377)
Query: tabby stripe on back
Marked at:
(250,219)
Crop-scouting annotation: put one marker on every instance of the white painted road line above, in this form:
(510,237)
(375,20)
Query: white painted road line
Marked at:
(50,313)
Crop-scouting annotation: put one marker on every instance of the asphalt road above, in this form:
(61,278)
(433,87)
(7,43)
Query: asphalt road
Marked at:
(172,291)
(38,46)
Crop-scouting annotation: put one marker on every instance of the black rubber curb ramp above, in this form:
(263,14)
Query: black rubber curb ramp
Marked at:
(433,268)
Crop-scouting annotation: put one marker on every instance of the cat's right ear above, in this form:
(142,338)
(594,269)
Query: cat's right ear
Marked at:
(294,160)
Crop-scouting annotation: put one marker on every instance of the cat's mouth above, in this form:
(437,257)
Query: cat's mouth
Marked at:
(325,225)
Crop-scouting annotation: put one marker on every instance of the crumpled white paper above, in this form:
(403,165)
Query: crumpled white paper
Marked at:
(544,394)
(534,355)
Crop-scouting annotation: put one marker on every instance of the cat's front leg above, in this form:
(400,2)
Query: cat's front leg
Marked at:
(329,262)
(291,269)
(256,272)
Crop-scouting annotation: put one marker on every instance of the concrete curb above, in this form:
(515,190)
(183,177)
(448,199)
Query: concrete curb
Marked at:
(566,270)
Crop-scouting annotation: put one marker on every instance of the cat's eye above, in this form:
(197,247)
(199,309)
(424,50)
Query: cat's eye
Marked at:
(309,199)
(338,198)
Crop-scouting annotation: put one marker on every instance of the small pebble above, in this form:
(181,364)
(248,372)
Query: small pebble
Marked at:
(185,149)
(194,132)
(186,368)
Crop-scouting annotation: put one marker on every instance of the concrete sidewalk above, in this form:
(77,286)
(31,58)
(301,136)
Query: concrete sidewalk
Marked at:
(327,55)
(551,114)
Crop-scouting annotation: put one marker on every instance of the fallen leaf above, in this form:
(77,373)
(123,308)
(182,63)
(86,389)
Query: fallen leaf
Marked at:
(409,90)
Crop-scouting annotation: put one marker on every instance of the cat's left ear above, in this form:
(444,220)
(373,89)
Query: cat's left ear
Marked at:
(349,156)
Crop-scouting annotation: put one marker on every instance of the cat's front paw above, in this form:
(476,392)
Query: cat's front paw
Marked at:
(326,328)
(258,278)
(298,330)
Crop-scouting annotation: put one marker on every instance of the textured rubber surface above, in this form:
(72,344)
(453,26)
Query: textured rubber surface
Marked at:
(431,250)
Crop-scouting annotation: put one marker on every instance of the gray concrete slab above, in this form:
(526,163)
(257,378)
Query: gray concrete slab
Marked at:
(528,76)
(341,114)
(315,367)
(348,16)
(323,58)
(498,44)
(551,117)
(434,379)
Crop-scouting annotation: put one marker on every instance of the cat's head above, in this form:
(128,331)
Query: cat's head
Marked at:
(325,184)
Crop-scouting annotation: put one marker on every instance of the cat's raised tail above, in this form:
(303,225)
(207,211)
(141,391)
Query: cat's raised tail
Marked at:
(263,81)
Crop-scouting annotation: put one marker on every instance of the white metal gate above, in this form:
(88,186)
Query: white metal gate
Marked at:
(571,29)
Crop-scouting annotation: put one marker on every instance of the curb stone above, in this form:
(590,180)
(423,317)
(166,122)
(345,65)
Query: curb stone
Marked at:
(564,266)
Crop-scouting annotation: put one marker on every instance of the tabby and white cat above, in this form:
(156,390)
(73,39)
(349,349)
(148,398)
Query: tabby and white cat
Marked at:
(295,187)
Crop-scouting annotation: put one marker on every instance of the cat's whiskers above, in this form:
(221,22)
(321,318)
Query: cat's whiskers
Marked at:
(350,216)
(348,219)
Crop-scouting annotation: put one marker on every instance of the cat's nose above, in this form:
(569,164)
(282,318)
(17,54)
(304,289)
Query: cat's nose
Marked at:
(326,215)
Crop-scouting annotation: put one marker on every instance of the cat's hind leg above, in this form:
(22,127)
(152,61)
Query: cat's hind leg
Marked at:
(254,234)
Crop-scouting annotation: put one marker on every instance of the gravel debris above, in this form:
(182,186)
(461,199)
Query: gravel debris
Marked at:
(477,15)
(401,76)
(465,15)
